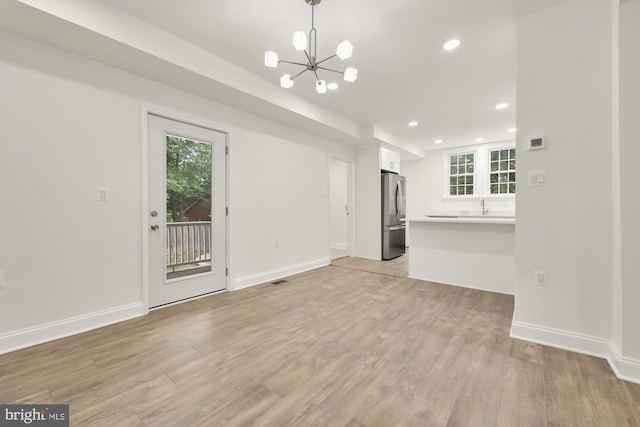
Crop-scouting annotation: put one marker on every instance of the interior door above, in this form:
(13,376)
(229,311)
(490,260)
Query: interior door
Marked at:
(187,202)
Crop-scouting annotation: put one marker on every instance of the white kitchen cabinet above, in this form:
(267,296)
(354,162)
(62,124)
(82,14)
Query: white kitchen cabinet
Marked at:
(389,160)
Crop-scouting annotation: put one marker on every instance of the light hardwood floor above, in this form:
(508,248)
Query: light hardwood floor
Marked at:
(352,344)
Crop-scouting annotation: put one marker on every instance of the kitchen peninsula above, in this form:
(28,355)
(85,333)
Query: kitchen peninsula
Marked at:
(473,251)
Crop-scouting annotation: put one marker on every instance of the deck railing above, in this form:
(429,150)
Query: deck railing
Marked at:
(188,243)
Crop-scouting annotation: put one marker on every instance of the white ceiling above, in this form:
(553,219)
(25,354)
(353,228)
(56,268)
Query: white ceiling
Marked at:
(404,74)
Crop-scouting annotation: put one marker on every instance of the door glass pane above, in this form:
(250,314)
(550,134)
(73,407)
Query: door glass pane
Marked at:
(188,229)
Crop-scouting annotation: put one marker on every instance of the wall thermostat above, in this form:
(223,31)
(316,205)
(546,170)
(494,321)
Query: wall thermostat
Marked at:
(537,143)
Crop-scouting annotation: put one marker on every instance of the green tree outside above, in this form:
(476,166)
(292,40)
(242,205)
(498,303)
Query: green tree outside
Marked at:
(188,175)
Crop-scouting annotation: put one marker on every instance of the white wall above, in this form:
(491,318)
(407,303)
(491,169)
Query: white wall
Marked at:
(564,91)
(65,254)
(630,174)
(338,199)
(368,205)
(278,192)
(67,125)
(424,183)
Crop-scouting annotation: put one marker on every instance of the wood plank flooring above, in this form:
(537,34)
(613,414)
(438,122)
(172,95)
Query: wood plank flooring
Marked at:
(353,344)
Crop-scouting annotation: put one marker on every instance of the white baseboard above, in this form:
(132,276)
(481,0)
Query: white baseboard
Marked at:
(268,276)
(35,335)
(336,245)
(368,257)
(624,368)
(565,340)
(459,285)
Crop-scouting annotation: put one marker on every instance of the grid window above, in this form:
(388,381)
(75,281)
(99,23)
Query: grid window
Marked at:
(461,174)
(502,171)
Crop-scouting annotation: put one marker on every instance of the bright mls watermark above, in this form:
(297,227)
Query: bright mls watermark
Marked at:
(34,415)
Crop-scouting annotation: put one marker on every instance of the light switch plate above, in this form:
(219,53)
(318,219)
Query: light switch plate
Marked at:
(537,178)
(3,280)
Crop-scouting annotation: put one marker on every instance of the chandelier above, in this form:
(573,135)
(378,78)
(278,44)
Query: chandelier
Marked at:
(309,45)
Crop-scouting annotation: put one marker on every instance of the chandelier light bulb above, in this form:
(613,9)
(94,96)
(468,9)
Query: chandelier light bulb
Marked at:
(350,74)
(344,50)
(321,86)
(271,59)
(300,40)
(286,81)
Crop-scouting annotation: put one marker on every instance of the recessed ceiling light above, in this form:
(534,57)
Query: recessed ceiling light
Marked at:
(332,86)
(502,106)
(438,141)
(512,130)
(479,139)
(451,44)
(412,124)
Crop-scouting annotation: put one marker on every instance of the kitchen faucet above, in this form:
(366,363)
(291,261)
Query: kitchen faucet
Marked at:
(484,211)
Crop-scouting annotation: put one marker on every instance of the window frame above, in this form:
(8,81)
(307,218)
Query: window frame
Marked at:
(447,183)
(499,171)
(482,170)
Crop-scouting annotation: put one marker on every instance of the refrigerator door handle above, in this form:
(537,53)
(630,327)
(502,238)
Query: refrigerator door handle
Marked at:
(396,227)
(398,200)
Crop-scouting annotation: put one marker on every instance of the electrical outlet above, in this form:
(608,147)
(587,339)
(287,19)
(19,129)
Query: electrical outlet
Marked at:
(540,277)
(103,194)
(3,280)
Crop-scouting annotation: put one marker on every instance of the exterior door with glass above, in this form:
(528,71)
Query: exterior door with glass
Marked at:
(187,202)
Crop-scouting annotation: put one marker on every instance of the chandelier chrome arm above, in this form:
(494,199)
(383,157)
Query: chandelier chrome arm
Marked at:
(301,72)
(293,63)
(326,59)
(329,69)
(308,57)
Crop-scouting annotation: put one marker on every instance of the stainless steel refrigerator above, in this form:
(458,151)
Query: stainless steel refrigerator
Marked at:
(394,190)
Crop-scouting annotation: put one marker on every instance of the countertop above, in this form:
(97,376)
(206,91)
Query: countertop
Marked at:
(466,219)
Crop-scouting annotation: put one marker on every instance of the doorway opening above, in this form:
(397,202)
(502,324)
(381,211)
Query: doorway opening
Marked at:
(339,208)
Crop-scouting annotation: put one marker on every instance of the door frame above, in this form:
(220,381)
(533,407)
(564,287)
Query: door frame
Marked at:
(351,228)
(145,111)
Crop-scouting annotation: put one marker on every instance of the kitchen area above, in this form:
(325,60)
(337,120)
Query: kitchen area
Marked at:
(466,239)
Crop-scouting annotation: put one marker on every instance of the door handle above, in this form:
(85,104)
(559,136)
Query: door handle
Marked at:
(155,227)
(397,200)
